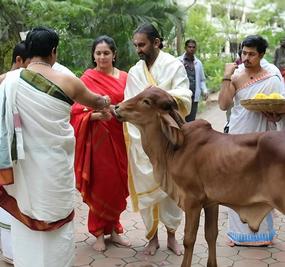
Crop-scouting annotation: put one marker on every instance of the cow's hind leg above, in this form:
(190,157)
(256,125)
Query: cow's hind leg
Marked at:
(192,217)
(211,233)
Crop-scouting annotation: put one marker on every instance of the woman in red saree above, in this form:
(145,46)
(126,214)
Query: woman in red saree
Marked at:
(100,158)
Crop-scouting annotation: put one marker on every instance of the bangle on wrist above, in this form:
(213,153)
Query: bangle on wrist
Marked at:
(227,79)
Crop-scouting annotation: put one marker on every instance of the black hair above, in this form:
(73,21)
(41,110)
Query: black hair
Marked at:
(255,41)
(151,33)
(109,41)
(192,41)
(21,51)
(40,41)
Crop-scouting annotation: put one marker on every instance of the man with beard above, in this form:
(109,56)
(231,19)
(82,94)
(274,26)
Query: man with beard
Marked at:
(245,84)
(165,71)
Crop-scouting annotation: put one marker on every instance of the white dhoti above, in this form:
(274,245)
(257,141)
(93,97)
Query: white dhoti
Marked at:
(44,183)
(166,211)
(5,235)
(244,121)
(44,245)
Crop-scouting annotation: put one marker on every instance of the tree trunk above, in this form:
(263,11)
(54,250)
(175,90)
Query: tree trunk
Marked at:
(178,39)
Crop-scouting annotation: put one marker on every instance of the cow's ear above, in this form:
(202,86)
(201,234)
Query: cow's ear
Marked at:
(171,130)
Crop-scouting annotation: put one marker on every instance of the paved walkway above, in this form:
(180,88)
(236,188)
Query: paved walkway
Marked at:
(117,256)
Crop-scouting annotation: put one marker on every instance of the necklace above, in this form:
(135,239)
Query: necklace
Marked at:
(39,63)
(112,73)
(252,76)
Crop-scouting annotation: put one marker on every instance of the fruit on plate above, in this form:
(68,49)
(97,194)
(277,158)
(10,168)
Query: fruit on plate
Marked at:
(271,96)
(275,96)
(260,96)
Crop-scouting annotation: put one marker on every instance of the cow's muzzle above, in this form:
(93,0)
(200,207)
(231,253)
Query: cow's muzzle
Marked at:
(116,112)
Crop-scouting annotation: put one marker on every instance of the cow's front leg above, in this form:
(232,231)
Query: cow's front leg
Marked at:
(192,217)
(211,233)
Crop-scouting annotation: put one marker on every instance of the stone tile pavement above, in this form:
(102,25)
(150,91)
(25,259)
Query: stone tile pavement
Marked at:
(117,256)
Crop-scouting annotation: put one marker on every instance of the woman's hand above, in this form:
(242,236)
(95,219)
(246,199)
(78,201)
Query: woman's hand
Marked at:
(103,115)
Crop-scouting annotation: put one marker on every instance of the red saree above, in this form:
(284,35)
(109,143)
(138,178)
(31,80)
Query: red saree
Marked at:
(101,158)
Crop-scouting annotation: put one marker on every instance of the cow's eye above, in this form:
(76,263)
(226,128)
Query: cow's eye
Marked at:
(146,101)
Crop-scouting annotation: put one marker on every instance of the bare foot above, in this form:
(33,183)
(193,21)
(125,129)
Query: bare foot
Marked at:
(115,238)
(151,247)
(172,244)
(100,244)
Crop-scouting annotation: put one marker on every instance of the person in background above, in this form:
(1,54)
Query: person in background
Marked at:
(196,76)
(279,57)
(37,154)
(161,69)
(245,84)
(101,157)
(20,58)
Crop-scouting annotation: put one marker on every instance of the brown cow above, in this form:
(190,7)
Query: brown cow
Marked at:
(201,168)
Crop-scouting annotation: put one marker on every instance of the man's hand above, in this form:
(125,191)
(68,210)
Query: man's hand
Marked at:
(205,95)
(103,102)
(272,116)
(229,70)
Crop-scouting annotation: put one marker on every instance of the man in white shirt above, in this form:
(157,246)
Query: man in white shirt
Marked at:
(165,71)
